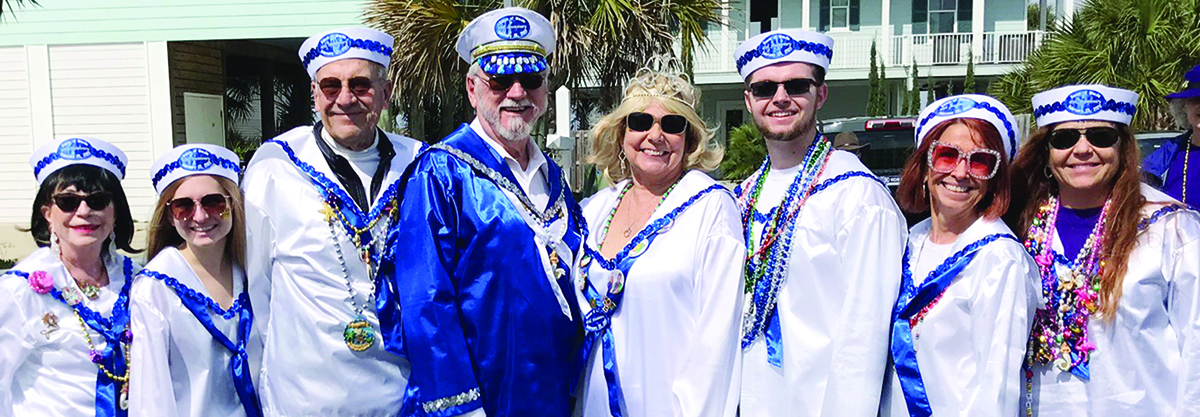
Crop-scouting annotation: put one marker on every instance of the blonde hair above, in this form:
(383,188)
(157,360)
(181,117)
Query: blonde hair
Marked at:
(162,232)
(677,96)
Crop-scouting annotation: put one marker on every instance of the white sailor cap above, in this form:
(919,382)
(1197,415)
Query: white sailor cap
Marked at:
(974,106)
(784,45)
(61,153)
(1084,102)
(512,40)
(194,159)
(345,43)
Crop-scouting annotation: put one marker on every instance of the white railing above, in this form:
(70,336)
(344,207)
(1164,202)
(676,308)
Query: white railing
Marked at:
(853,50)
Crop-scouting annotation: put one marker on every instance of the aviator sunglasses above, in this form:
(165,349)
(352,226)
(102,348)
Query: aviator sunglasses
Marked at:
(68,202)
(793,87)
(504,82)
(1100,137)
(359,86)
(216,205)
(981,163)
(672,124)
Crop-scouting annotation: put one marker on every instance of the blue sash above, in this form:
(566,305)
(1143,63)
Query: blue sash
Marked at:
(912,300)
(597,322)
(239,365)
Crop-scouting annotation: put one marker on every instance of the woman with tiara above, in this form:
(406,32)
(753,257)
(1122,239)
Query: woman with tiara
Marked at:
(64,310)
(197,349)
(1120,331)
(659,283)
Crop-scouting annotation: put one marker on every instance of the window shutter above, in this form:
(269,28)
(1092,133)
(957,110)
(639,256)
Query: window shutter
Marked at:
(920,15)
(823,19)
(854,7)
(964,16)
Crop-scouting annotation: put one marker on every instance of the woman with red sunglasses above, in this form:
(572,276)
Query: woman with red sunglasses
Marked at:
(1119,261)
(64,310)
(196,349)
(659,282)
(967,292)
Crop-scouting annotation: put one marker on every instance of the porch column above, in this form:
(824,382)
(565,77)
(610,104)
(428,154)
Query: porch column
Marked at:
(977,29)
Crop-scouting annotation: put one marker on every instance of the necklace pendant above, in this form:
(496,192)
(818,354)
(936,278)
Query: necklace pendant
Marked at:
(90,291)
(626,234)
(123,401)
(553,258)
(359,334)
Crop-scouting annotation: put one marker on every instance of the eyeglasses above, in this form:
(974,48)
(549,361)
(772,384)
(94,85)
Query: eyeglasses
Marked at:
(981,163)
(359,86)
(216,205)
(673,124)
(504,82)
(68,202)
(1100,137)
(794,87)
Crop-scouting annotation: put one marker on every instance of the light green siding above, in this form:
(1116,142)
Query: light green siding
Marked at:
(94,21)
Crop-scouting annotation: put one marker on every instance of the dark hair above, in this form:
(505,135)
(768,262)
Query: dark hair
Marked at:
(1032,186)
(911,196)
(87,179)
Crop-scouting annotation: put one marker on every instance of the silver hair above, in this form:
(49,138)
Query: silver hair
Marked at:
(1178,109)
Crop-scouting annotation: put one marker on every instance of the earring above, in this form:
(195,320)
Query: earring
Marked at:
(624,164)
(54,247)
(1048,173)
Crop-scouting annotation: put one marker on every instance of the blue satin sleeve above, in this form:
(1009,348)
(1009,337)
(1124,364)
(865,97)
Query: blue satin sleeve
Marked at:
(443,381)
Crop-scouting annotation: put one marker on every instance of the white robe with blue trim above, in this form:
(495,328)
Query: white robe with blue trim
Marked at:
(178,368)
(45,369)
(1147,359)
(678,345)
(971,344)
(835,308)
(299,292)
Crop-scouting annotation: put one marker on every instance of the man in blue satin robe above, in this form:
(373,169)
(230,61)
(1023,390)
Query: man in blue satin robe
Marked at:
(489,323)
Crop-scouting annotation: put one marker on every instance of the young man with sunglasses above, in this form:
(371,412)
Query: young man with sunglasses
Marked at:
(320,202)
(490,232)
(824,241)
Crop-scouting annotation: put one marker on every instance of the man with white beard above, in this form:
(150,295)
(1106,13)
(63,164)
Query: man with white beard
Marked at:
(824,244)
(490,232)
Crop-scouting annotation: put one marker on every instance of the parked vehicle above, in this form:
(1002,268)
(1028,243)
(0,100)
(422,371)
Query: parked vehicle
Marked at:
(888,143)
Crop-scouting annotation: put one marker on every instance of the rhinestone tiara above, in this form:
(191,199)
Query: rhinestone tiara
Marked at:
(660,78)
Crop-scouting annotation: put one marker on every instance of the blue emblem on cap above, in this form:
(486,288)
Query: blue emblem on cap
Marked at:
(1084,102)
(196,159)
(512,27)
(955,106)
(75,149)
(777,46)
(333,44)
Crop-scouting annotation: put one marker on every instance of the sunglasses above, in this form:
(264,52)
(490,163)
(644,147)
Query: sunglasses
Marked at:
(794,87)
(981,163)
(68,202)
(1100,137)
(504,82)
(359,86)
(216,205)
(673,124)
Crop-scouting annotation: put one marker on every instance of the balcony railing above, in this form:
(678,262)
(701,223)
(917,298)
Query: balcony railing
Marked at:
(853,50)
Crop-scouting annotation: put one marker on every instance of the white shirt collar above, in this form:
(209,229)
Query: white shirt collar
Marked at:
(537,161)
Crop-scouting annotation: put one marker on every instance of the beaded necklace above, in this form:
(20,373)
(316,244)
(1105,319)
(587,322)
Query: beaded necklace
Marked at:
(114,328)
(621,197)
(1060,331)
(768,262)
(1187,154)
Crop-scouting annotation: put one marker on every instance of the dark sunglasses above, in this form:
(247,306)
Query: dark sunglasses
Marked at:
(216,205)
(504,82)
(359,86)
(794,87)
(1100,137)
(981,163)
(673,124)
(68,202)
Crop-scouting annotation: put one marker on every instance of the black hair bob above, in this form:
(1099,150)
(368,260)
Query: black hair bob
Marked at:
(86,179)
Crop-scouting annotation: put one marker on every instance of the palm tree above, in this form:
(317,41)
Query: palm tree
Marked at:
(9,6)
(1141,45)
(598,43)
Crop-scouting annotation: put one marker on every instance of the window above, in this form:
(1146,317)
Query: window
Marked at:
(942,15)
(839,14)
